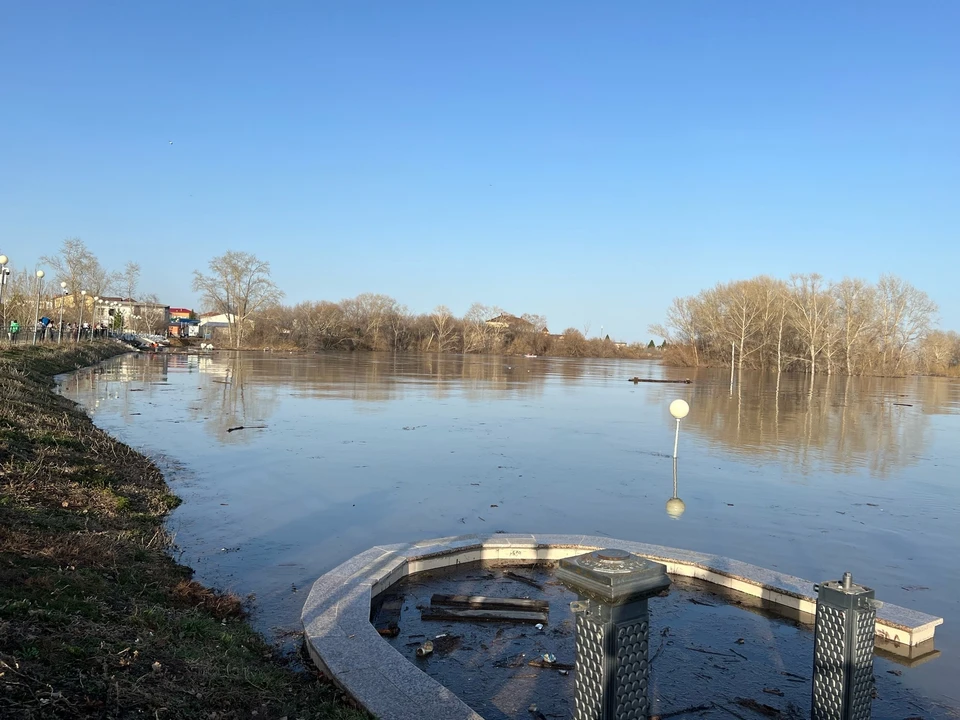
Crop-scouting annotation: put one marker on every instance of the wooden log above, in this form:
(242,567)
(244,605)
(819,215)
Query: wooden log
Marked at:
(479,602)
(636,380)
(541,663)
(524,579)
(516,616)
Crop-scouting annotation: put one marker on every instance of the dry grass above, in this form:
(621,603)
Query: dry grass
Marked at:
(96,619)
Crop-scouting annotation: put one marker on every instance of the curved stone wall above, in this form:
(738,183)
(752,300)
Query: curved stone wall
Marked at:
(344,644)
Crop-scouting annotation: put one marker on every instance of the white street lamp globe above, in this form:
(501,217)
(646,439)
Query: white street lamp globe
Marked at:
(40,274)
(63,284)
(679,409)
(3,260)
(675,507)
(83,292)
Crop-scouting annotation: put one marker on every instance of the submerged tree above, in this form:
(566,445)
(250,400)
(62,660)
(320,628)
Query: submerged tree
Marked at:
(238,286)
(808,324)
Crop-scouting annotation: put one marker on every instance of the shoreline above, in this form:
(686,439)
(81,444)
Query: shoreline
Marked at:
(96,618)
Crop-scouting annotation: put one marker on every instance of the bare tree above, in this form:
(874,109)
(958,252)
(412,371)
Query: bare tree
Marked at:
(940,352)
(238,286)
(856,306)
(813,303)
(907,314)
(443,323)
(80,269)
(683,325)
(153,315)
(129,280)
(738,310)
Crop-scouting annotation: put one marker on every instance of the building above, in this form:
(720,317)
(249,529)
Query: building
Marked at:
(182,322)
(129,314)
(212,321)
(512,323)
(506,321)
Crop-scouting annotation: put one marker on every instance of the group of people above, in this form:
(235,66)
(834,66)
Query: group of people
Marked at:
(46,330)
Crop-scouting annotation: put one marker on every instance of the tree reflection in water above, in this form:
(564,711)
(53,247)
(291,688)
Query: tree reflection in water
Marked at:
(834,424)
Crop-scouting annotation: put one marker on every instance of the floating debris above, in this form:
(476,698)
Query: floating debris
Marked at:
(246,427)
(524,579)
(425,649)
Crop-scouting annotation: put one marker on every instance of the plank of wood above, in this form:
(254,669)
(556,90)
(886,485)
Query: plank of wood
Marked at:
(524,579)
(517,616)
(541,663)
(480,602)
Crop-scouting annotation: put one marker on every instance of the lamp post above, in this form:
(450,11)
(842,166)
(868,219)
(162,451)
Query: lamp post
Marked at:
(679,410)
(96,313)
(612,631)
(83,300)
(843,642)
(63,296)
(36,314)
(4,272)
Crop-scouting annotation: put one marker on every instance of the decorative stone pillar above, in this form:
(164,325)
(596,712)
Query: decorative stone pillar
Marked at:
(613,632)
(843,651)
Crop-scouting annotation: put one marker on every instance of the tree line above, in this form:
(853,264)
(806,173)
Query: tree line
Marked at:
(239,286)
(811,325)
(80,270)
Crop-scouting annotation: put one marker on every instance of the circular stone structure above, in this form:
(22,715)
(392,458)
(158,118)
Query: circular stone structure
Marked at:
(344,644)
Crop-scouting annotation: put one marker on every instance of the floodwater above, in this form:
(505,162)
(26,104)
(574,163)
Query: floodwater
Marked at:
(846,474)
(711,650)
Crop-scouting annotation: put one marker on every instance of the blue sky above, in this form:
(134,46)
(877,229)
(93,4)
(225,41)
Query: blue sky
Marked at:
(586,161)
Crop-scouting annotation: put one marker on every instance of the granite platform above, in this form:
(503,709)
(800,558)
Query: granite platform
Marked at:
(343,643)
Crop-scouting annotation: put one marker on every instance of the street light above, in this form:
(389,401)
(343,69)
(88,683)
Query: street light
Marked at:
(36,315)
(96,312)
(63,297)
(4,272)
(679,409)
(83,299)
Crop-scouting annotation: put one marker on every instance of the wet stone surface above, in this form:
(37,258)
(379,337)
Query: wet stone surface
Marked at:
(711,653)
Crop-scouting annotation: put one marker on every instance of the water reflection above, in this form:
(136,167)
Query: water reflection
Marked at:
(675,506)
(839,424)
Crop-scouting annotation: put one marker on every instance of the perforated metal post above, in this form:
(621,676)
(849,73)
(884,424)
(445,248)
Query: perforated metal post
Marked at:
(843,651)
(613,632)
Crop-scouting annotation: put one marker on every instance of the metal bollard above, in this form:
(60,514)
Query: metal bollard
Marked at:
(613,632)
(843,651)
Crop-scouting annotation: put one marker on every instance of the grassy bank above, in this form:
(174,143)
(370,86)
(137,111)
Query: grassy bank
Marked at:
(96,619)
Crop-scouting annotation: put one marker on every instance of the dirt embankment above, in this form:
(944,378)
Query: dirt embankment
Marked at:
(96,619)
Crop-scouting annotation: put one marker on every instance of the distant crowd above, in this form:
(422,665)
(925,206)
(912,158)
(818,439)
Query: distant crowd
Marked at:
(46,330)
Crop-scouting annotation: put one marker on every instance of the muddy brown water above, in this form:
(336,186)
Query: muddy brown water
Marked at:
(813,479)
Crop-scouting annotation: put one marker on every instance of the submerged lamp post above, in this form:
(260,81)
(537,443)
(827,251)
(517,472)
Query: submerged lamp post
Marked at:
(36,314)
(843,650)
(613,631)
(679,410)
